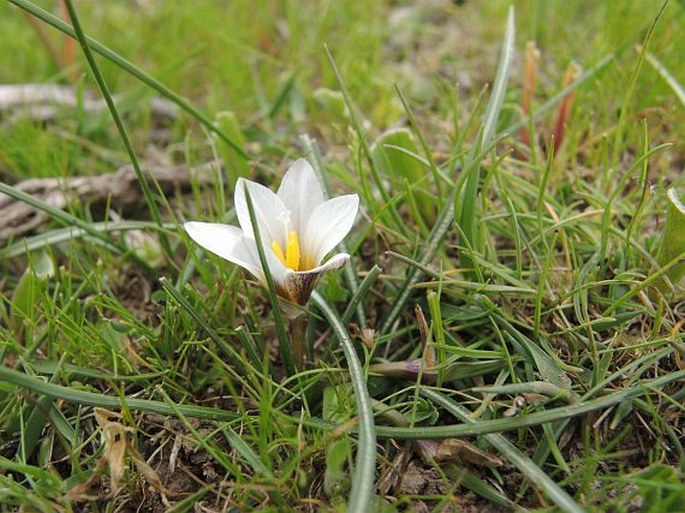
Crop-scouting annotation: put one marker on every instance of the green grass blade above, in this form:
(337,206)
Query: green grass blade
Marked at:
(673,236)
(653,279)
(363,482)
(59,215)
(467,212)
(33,428)
(53,237)
(534,419)
(501,79)
(283,342)
(73,395)
(360,294)
(424,145)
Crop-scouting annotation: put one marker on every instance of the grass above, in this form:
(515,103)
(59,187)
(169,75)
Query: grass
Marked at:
(507,296)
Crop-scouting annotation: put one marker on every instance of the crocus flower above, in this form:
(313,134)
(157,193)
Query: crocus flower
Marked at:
(298,228)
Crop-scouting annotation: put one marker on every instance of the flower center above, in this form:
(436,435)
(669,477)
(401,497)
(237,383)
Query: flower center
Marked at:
(292,258)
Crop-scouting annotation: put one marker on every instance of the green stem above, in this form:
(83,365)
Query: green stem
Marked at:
(298,326)
(364,475)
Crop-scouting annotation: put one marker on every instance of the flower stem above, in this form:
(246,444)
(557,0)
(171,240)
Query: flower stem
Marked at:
(298,327)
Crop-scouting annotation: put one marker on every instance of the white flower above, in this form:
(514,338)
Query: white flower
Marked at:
(297,226)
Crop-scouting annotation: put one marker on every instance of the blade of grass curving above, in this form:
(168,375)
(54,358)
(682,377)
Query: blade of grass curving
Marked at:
(363,481)
(467,213)
(132,69)
(485,427)
(501,79)
(473,285)
(350,272)
(361,293)
(52,237)
(40,386)
(447,214)
(104,90)
(516,457)
(284,346)
(60,215)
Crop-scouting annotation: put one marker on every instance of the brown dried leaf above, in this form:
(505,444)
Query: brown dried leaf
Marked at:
(150,474)
(115,443)
(458,451)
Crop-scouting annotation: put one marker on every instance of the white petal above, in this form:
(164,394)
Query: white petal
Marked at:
(298,286)
(272,215)
(335,262)
(329,224)
(279,272)
(228,242)
(301,193)
(231,244)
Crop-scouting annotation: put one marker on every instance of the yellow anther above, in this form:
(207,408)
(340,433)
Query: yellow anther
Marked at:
(292,252)
(291,257)
(278,251)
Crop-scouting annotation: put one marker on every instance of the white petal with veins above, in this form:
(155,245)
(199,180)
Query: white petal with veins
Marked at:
(329,224)
(272,215)
(228,242)
(301,193)
(335,262)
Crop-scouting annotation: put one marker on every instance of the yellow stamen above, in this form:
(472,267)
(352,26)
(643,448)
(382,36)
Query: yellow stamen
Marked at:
(292,252)
(291,258)
(278,251)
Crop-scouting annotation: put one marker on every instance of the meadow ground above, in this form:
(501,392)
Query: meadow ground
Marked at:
(508,335)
